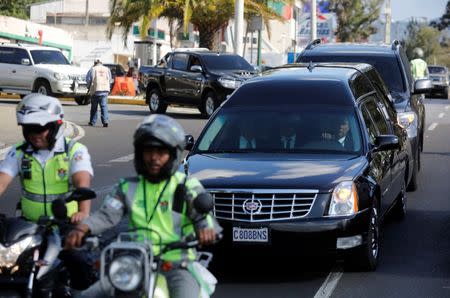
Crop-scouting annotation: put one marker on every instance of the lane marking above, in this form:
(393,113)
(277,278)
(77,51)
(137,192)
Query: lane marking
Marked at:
(329,285)
(432,126)
(125,158)
(447,107)
(441,115)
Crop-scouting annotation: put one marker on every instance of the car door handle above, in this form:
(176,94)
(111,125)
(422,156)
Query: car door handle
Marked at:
(14,71)
(183,76)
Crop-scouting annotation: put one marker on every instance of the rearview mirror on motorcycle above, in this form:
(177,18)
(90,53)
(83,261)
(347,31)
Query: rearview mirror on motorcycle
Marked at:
(81,194)
(203,203)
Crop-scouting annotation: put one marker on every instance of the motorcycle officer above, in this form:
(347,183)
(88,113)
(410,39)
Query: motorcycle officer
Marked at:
(49,166)
(159,198)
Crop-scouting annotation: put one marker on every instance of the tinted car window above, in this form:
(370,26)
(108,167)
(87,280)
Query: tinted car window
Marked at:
(297,129)
(388,67)
(436,70)
(226,62)
(374,119)
(180,61)
(12,55)
(48,57)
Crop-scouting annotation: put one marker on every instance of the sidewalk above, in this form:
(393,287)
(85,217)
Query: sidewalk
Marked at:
(112,99)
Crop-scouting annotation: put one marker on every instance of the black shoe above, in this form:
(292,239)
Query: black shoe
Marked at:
(105,124)
(91,124)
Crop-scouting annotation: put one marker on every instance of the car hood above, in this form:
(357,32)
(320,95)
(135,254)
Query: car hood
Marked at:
(236,74)
(65,69)
(255,170)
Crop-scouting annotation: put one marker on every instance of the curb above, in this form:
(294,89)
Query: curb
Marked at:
(127,100)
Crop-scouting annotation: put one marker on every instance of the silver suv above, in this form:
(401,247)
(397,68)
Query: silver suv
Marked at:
(439,78)
(29,68)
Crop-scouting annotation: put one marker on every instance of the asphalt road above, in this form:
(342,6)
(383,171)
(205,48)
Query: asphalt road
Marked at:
(415,256)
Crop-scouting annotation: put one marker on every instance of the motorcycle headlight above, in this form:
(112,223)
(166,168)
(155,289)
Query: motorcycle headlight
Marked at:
(10,254)
(125,273)
(344,200)
(60,76)
(229,83)
(406,119)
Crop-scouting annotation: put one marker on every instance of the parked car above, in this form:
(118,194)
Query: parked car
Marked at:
(439,76)
(30,68)
(201,79)
(393,65)
(269,193)
(117,70)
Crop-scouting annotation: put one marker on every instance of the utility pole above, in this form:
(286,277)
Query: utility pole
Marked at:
(387,33)
(155,38)
(313,20)
(86,15)
(238,25)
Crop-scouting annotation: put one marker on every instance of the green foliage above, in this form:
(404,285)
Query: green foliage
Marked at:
(355,18)
(208,16)
(425,37)
(444,21)
(16,8)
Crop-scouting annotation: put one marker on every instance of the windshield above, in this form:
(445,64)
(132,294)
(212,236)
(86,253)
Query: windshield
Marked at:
(299,129)
(48,57)
(436,70)
(386,66)
(226,62)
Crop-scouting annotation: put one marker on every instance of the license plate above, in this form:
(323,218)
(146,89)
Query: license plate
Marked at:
(250,235)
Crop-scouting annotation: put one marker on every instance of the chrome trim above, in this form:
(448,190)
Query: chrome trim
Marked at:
(290,201)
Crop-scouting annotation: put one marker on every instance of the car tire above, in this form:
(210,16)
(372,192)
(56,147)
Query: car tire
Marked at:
(155,102)
(365,258)
(83,100)
(400,208)
(43,87)
(209,104)
(413,183)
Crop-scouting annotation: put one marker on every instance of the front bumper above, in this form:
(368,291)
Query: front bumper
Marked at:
(307,233)
(69,87)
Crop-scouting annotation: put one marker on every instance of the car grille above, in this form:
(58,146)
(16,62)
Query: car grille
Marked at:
(262,205)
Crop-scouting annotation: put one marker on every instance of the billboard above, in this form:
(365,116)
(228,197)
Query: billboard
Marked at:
(326,23)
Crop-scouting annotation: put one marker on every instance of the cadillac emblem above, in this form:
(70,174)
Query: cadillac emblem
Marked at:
(251,206)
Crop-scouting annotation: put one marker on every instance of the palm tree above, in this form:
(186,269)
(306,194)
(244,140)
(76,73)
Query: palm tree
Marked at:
(208,16)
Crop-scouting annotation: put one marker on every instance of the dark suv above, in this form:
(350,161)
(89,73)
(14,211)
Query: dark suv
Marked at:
(305,152)
(393,65)
(200,79)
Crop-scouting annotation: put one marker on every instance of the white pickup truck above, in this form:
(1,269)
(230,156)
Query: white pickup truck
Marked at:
(30,68)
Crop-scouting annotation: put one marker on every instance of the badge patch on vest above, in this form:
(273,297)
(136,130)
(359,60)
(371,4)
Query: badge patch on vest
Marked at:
(164,205)
(62,173)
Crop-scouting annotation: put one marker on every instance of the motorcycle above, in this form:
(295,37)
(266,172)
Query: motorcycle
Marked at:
(130,268)
(29,251)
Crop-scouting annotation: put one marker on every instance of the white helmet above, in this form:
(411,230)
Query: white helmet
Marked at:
(41,110)
(418,53)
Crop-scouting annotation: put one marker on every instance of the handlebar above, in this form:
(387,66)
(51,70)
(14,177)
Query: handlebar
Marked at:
(190,242)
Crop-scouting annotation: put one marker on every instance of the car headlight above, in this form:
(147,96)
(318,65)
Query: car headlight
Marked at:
(229,83)
(10,254)
(406,119)
(125,273)
(344,200)
(60,76)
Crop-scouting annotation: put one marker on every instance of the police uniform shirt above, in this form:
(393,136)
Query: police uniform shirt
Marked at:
(81,160)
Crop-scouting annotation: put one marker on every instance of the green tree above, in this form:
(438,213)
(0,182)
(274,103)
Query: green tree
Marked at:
(16,8)
(208,16)
(424,37)
(355,18)
(444,21)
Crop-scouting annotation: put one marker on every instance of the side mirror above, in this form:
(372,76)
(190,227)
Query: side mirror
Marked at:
(203,203)
(189,142)
(25,61)
(386,142)
(422,86)
(81,194)
(196,68)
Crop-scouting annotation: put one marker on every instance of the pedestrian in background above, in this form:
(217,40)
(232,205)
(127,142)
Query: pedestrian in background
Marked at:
(132,72)
(98,79)
(419,68)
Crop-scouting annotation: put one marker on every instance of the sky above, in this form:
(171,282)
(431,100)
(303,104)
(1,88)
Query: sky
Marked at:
(431,9)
